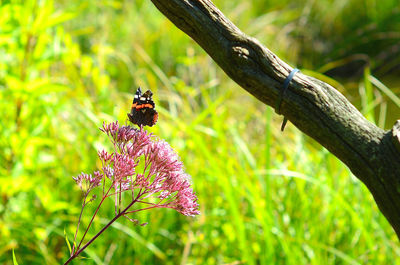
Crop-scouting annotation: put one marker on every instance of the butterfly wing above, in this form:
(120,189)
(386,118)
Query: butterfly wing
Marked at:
(143,111)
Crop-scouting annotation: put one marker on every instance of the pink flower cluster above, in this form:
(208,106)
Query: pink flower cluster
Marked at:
(86,182)
(146,167)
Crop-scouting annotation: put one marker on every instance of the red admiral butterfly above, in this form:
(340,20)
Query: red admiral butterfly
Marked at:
(142,111)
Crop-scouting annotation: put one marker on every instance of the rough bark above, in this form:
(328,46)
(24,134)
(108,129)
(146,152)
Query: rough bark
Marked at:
(314,107)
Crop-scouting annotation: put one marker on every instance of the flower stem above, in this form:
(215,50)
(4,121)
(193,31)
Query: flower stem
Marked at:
(79,222)
(99,233)
(91,221)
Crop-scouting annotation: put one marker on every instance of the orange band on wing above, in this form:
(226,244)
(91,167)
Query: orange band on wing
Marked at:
(144,106)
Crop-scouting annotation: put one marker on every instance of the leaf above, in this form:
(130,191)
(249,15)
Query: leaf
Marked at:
(14,259)
(58,18)
(66,240)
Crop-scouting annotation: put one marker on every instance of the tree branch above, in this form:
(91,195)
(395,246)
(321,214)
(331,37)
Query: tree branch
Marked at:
(311,105)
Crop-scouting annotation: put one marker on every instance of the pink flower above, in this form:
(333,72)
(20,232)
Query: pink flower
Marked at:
(104,156)
(143,167)
(123,166)
(186,202)
(147,167)
(86,182)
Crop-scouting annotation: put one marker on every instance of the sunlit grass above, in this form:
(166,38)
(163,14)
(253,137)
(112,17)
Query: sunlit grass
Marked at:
(266,197)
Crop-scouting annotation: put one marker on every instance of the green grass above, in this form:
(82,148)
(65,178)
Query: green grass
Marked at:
(266,197)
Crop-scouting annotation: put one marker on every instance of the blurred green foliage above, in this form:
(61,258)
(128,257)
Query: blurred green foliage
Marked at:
(266,197)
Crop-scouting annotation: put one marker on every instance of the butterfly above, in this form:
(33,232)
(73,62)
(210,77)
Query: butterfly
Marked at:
(143,111)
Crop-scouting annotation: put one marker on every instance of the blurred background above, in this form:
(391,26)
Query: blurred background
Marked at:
(266,197)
